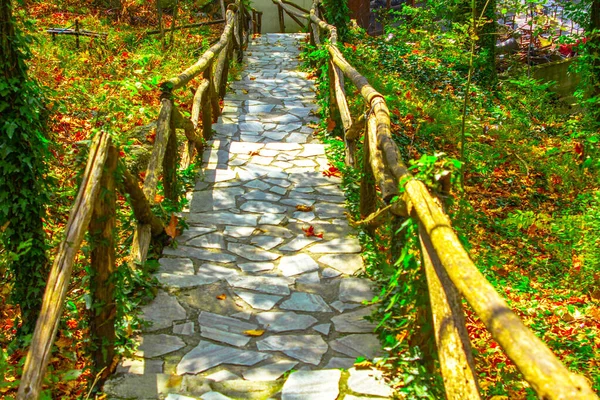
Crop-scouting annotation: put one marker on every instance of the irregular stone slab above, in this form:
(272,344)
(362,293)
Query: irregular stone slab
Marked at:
(222,375)
(330,273)
(147,386)
(256,266)
(266,242)
(323,328)
(245,315)
(337,246)
(261,284)
(214,396)
(297,264)
(341,307)
(226,324)
(259,301)
(244,389)
(269,372)
(312,385)
(262,196)
(358,345)
(140,367)
(176,266)
(279,182)
(157,345)
(285,321)
(283,146)
(271,219)
(215,271)
(262,207)
(194,231)
(369,382)
(223,218)
(304,216)
(251,253)
(207,355)
(278,231)
(244,148)
(199,254)
(305,302)
(340,363)
(173,396)
(355,290)
(219,175)
(354,322)
(346,263)
(186,328)
(208,241)
(257,184)
(207,299)
(278,190)
(214,200)
(329,210)
(299,242)
(184,281)
(310,277)
(218,335)
(239,231)
(162,311)
(306,348)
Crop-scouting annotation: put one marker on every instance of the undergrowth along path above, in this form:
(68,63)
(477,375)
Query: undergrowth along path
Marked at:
(258,298)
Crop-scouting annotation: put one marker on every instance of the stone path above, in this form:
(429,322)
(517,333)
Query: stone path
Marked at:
(251,307)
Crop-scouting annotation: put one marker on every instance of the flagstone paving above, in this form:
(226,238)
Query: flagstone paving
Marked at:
(250,307)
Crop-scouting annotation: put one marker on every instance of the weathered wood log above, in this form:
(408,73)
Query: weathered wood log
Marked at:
(193,141)
(212,93)
(221,72)
(340,97)
(368,196)
(294,14)
(102,258)
(334,112)
(169,163)
(139,204)
(204,61)
(294,5)
(356,129)
(188,26)
(325,26)
(60,273)
(239,32)
(281,18)
(539,366)
(451,336)
(387,185)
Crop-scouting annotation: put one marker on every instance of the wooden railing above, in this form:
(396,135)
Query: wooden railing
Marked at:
(95,205)
(451,274)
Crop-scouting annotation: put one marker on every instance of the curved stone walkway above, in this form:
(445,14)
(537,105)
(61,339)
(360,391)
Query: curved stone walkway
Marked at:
(252,305)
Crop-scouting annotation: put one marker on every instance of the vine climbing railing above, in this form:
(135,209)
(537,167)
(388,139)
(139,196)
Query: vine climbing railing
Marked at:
(94,208)
(451,274)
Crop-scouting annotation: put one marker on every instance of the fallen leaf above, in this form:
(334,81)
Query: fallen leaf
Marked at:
(252,78)
(310,231)
(254,332)
(63,342)
(222,296)
(171,229)
(253,153)
(330,124)
(366,364)
(244,91)
(332,171)
(303,208)
(158,198)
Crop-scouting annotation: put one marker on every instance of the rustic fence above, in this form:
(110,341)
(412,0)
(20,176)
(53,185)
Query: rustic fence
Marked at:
(95,206)
(451,274)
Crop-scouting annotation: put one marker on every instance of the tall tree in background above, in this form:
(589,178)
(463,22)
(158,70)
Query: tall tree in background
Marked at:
(485,14)
(22,169)
(594,46)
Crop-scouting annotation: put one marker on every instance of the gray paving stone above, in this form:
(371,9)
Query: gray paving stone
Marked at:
(208,241)
(147,386)
(262,284)
(239,231)
(215,271)
(305,302)
(245,315)
(297,264)
(323,328)
(207,355)
(218,335)
(257,184)
(309,277)
(185,328)
(337,246)
(304,216)
(349,264)
(200,254)
(140,367)
(157,345)
(214,200)
(271,219)
(223,218)
(312,385)
(251,253)
(256,266)
(278,231)
(299,242)
(183,281)
(354,322)
(277,321)
(306,348)
(279,182)
(214,396)
(222,375)
(278,190)
(341,307)
(194,231)
(340,363)
(263,207)
(260,195)
(369,382)
(357,345)
(162,311)
(259,301)
(173,396)
(266,242)
(330,273)
(219,175)
(269,372)
(176,266)
(355,290)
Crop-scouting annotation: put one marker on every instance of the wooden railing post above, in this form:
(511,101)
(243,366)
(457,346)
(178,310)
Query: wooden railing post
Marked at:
(368,196)
(281,18)
(212,92)
(169,162)
(102,284)
(60,273)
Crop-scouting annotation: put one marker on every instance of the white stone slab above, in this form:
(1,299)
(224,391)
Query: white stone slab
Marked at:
(306,348)
(277,321)
(346,263)
(251,253)
(269,372)
(262,284)
(207,355)
(300,301)
(158,345)
(312,385)
(297,264)
(162,311)
(337,246)
(369,382)
(259,301)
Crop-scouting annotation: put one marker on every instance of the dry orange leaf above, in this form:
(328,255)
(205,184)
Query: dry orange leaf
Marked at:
(254,332)
(303,208)
(366,364)
(158,198)
(252,78)
(171,229)
(253,153)
(222,296)
(330,124)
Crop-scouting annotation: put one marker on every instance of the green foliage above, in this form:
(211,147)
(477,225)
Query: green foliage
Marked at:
(337,13)
(23,149)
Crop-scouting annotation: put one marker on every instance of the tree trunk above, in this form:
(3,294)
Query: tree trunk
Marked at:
(486,12)
(594,47)
(22,167)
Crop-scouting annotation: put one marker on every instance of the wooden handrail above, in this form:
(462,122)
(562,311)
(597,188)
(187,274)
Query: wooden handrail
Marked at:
(447,264)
